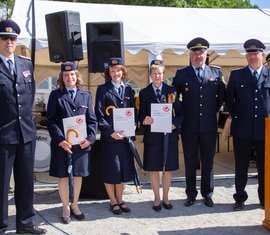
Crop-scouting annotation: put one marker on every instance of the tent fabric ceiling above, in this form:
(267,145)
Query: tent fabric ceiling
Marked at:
(154,29)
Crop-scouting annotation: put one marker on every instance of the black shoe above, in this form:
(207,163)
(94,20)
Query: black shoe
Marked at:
(190,201)
(208,201)
(31,230)
(124,207)
(238,206)
(116,211)
(168,206)
(66,219)
(156,208)
(78,217)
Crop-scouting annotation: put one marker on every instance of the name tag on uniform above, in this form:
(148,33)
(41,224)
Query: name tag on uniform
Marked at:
(26,73)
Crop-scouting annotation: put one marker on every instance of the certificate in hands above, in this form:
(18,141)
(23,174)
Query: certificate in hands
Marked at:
(75,125)
(162,115)
(123,120)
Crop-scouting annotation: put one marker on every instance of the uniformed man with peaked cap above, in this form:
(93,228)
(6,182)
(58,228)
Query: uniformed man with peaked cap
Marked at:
(18,133)
(248,101)
(202,93)
(198,44)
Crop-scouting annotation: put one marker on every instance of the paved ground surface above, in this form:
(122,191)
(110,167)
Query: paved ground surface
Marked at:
(198,219)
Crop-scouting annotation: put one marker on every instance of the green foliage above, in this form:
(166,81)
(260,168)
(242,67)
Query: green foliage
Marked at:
(180,3)
(220,3)
(6,7)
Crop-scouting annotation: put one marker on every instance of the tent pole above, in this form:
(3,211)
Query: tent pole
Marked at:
(88,82)
(33,40)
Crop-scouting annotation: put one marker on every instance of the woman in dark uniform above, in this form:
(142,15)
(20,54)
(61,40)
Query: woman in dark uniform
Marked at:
(117,160)
(159,92)
(63,105)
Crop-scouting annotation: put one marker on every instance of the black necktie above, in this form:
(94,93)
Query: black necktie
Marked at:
(255,74)
(11,67)
(199,74)
(255,77)
(71,92)
(158,94)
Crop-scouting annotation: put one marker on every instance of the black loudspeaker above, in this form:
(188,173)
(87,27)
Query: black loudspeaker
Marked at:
(64,36)
(92,185)
(104,40)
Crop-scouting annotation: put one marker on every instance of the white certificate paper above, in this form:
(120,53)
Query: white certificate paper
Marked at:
(162,115)
(123,120)
(75,128)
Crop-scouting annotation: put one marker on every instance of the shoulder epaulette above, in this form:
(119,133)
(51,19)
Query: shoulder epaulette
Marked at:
(24,57)
(215,66)
(180,68)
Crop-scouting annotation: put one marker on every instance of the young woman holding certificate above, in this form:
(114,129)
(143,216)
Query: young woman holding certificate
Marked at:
(117,159)
(160,149)
(69,100)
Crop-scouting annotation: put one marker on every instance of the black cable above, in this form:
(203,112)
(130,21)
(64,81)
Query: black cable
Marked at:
(51,224)
(42,217)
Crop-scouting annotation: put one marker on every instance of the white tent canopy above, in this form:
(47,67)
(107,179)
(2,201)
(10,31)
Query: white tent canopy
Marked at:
(149,32)
(154,28)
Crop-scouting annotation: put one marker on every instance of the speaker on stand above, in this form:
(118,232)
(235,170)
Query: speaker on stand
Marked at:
(104,40)
(64,36)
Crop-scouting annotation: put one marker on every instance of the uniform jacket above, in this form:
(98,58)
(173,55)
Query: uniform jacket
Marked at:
(61,106)
(148,96)
(248,103)
(201,101)
(16,99)
(108,96)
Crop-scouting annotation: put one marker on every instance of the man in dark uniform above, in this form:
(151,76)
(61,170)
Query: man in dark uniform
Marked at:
(248,101)
(17,131)
(202,93)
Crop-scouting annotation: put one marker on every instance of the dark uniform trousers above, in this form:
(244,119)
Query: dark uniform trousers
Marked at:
(205,143)
(201,101)
(17,140)
(248,102)
(20,157)
(242,150)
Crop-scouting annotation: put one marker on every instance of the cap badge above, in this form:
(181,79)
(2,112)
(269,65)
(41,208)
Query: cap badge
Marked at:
(114,62)
(67,67)
(9,29)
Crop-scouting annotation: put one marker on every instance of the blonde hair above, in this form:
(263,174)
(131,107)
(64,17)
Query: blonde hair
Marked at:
(156,66)
(107,72)
(61,83)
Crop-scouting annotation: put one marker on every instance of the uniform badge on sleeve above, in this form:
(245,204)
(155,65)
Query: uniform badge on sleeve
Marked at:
(26,73)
